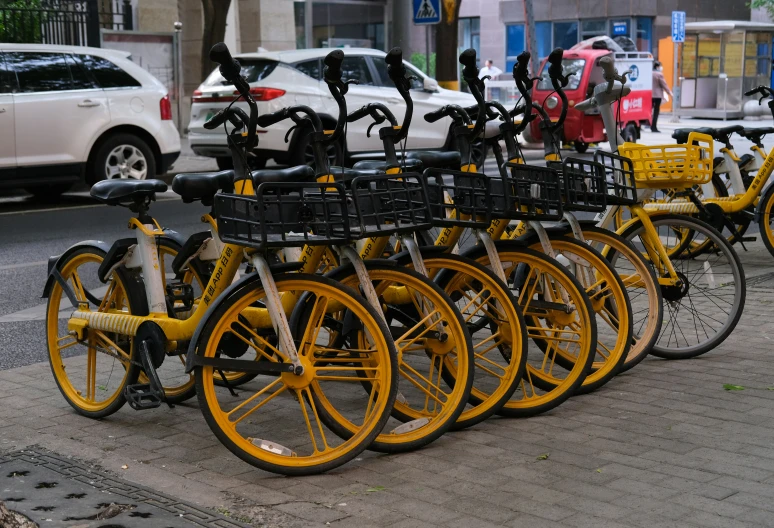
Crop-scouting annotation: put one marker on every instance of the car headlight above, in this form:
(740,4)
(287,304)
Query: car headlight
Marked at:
(552,102)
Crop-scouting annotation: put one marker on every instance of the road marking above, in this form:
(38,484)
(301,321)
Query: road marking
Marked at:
(23,265)
(173,197)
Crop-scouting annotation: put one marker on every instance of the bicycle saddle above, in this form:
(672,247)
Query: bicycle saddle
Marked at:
(408,165)
(345,175)
(756,134)
(681,134)
(202,186)
(119,191)
(434,159)
(301,173)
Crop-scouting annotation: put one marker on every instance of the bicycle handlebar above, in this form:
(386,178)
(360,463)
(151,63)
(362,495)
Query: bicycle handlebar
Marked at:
(559,81)
(451,110)
(230,70)
(373,110)
(235,115)
(524,85)
(397,72)
(610,74)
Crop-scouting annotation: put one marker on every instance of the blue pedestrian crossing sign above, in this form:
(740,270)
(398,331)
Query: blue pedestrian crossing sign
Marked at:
(678,26)
(427,12)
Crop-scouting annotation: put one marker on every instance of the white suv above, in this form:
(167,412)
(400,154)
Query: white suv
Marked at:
(285,78)
(69,114)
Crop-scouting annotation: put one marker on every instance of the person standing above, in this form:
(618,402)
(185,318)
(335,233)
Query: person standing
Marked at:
(659,87)
(489,69)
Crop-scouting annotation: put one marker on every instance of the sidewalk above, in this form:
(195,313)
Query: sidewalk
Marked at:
(662,445)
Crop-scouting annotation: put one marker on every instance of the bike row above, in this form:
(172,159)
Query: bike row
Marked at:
(328,310)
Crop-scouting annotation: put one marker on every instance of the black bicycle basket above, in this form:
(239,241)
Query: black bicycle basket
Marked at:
(458,198)
(285,215)
(386,204)
(526,192)
(584,185)
(619,173)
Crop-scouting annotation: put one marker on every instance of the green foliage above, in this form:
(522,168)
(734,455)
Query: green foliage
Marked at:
(419,60)
(731,387)
(22,22)
(768,5)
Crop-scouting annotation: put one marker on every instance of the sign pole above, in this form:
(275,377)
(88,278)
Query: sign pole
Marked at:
(427,50)
(678,37)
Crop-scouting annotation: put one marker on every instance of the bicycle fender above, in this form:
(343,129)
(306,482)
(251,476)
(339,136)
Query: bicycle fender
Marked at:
(55,266)
(621,230)
(765,196)
(174,235)
(192,355)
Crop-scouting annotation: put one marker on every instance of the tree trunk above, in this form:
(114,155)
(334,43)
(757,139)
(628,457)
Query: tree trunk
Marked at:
(446,38)
(213,30)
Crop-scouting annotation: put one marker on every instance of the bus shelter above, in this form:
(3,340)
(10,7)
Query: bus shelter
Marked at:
(720,61)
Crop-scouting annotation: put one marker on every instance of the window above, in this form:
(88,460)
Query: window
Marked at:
(107,74)
(569,66)
(593,28)
(253,70)
(543,34)
(80,79)
(310,68)
(565,34)
(514,44)
(381,69)
(7,80)
(40,72)
(356,68)
(470,34)
(644,35)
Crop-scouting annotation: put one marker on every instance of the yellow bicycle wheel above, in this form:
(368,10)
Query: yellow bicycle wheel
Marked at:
(276,421)
(92,368)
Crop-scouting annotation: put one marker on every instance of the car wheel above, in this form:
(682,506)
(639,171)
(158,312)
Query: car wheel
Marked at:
(49,192)
(630,133)
(304,155)
(580,146)
(124,156)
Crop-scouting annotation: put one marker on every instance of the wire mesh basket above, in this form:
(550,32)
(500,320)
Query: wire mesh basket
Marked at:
(526,192)
(671,166)
(387,204)
(619,173)
(285,215)
(458,198)
(583,184)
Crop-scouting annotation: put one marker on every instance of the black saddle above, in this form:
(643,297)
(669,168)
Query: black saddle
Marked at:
(681,134)
(408,165)
(301,173)
(347,175)
(434,159)
(756,134)
(202,186)
(723,135)
(120,191)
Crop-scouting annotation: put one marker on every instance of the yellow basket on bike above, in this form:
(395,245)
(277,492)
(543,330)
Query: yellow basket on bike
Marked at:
(671,166)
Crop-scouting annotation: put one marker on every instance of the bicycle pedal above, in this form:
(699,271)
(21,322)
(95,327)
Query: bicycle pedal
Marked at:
(180,293)
(142,396)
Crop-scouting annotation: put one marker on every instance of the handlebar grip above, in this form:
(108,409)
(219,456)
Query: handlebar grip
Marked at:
(266,120)
(752,92)
(394,57)
(358,114)
(555,61)
(435,115)
(606,63)
(216,120)
(763,90)
(468,60)
(521,67)
(229,67)
(333,65)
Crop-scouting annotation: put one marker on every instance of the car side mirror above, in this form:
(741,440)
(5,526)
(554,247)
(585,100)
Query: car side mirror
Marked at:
(429,85)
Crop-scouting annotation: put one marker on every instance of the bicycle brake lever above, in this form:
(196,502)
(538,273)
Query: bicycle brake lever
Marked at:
(368,131)
(287,135)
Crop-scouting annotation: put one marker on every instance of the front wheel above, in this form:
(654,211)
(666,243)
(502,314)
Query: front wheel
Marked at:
(702,310)
(279,422)
(765,218)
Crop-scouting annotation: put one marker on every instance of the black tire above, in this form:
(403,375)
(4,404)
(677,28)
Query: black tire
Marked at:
(694,277)
(580,146)
(630,133)
(764,216)
(97,168)
(302,153)
(49,192)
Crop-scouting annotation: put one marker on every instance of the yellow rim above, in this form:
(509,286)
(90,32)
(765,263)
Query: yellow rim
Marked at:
(569,332)
(308,390)
(424,396)
(609,302)
(768,230)
(85,396)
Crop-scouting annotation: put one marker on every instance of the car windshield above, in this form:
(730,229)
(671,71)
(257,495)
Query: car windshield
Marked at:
(252,69)
(569,67)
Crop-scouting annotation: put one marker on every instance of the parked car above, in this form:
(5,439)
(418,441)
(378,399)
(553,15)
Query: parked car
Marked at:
(70,114)
(280,79)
